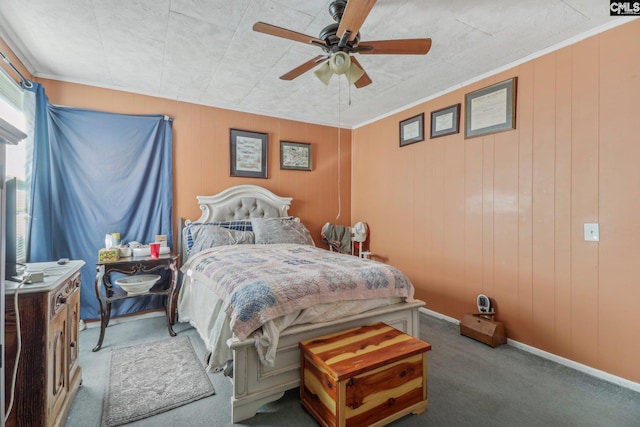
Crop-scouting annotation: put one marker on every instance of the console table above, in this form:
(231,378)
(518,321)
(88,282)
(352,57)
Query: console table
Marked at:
(107,292)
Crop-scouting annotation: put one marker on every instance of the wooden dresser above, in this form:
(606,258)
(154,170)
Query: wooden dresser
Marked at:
(49,372)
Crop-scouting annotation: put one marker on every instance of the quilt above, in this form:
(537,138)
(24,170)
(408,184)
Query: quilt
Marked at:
(259,283)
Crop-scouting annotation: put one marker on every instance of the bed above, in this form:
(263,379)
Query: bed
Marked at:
(255,341)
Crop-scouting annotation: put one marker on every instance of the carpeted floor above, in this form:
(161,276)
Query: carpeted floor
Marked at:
(469,384)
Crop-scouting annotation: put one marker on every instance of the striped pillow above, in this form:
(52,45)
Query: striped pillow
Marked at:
(194,227)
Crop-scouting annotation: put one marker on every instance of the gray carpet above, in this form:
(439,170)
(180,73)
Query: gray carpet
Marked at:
(147,379)
(469,384)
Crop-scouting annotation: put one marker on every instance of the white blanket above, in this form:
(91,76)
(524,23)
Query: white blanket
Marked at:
(201,304)
(203,310)
(259,283)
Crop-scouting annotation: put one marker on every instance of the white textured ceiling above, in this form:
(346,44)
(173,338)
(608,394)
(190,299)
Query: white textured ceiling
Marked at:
(205,52)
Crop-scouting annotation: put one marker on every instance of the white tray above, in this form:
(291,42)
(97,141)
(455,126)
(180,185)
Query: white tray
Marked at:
(146,251)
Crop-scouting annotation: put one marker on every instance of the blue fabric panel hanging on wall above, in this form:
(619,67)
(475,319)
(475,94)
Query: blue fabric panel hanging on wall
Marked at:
(106,173)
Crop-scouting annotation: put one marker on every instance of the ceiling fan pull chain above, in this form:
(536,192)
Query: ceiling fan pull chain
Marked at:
(339,160)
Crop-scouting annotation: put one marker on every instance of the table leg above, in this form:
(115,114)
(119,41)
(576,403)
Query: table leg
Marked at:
(105,306)
(168,302)
(168,314)
(105,316)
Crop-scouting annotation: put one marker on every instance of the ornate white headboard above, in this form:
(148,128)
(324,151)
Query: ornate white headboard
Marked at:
(237,203)
(243,202)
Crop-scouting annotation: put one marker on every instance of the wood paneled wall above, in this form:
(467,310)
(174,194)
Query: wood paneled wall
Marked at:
(201,152)
(503,214)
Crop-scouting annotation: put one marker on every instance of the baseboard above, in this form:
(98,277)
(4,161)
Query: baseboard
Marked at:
(124,319)
(605,376)
(622,382)
(439,315)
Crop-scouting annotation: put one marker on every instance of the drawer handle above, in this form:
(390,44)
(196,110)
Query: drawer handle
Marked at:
(62,300)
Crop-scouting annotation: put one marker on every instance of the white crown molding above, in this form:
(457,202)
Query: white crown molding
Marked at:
(573,40)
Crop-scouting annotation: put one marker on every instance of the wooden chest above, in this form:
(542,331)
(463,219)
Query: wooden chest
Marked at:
(364,376)
(482,327)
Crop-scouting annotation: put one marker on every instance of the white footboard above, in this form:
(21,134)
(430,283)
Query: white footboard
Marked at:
(255,384)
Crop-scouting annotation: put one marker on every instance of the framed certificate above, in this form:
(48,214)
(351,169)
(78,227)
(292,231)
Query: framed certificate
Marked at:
(445,121)
(491,109)
(412,130)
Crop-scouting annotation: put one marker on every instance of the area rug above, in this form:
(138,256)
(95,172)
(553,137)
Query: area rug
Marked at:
(151,378)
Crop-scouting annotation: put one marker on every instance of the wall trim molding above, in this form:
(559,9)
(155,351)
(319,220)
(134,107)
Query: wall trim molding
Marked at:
(605,376)
(95,323)
(560,45)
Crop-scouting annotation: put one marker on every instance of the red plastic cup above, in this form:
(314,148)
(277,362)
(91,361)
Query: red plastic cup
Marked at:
(154,249)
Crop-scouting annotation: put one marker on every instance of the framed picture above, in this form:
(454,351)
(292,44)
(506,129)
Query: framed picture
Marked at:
(412,130)
(248,154)
(491,109)
(295,156)
(445,121)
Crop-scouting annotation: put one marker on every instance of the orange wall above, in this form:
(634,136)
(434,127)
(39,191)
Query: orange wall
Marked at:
(503,214)
(201,152)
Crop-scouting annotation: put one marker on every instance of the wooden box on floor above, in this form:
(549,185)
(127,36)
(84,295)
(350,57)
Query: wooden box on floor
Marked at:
(482,327)
(370,375)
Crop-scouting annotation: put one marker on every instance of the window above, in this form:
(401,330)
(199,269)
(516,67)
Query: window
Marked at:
(12,112)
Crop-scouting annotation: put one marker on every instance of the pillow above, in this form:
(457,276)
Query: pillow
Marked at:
(280,230)
(188,231)
(207,236)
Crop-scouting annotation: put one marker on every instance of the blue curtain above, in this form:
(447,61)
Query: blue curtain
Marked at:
(96,173)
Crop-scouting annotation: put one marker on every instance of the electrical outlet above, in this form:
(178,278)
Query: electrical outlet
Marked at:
(592,232)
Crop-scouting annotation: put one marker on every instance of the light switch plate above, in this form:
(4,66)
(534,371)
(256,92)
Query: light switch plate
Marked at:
(592,232)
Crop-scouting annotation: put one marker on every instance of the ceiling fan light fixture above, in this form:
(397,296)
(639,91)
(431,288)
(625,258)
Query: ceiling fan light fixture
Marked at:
(354,74)
(324,73)
(340,62)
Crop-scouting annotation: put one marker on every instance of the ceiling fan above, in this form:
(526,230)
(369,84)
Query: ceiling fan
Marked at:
(341,40)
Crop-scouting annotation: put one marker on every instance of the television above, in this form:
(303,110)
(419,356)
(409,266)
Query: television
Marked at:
(10,229)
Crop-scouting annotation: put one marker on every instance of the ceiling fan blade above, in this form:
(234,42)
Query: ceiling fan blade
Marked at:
(396,47)
(363,81)
(353,17)
(303,68)
(272,30)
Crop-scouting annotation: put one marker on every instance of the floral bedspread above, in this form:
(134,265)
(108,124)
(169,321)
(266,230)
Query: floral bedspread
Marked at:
(259,283)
